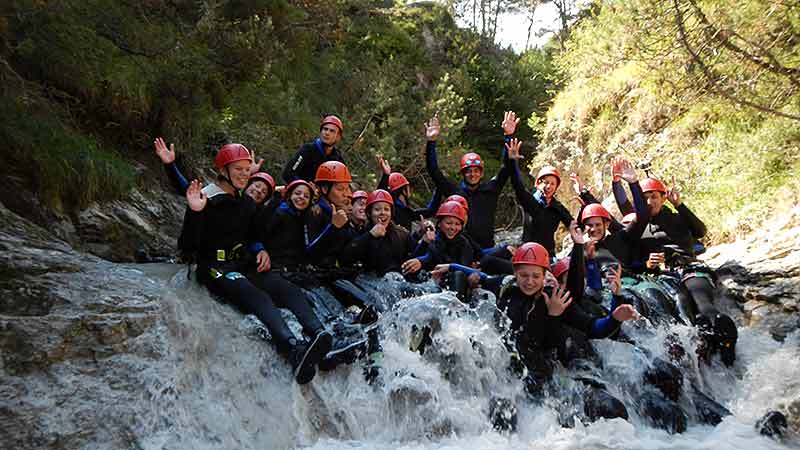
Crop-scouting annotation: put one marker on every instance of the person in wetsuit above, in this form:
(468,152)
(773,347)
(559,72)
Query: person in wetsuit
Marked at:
(358,212)
(219,223)
(328,223)
(398,185)
(482,197)
(303,165)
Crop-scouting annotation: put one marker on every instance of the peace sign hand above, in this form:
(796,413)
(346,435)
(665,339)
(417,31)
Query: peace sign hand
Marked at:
(673,195)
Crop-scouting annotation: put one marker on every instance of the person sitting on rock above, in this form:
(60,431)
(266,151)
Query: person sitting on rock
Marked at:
(218,225)
(482,197)
(358,213)
(303,165)
(677,231)
(398,185)
(329,225)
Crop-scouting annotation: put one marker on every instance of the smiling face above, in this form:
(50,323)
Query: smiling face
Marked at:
(472,175)
(239,173)
(358,213)
(450,226)
(380,213)
(655,200)
(530,278)
(340,195)
(595,227)
(548,185)
(330,134)
(258,191)
(300,197)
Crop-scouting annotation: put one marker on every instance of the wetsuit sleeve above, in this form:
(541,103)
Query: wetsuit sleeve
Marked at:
(443,185)
(191,231)
(296,165)
(490,283)
(564,215)
(696,226)
(499,180)
(588,198)
(430,210)
(577,273)
(356,249)
(383,183)
(600,328)
(621,197)
(179,182)
(524,197)
(635,229)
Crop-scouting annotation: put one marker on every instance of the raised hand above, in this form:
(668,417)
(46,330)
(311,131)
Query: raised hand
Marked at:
(673,195)
(589,249)
(427,230)
(432,128)
(383,165)
(167,155)
(577,184)
(616,171)
(510,122)
(627,171)
(625,312)
(378,230)
(440,271)
(558,302)
(576,233)
(411,266)
(195,197)
(614,279)
(256,166)
(264,263)
(338,216)
(513,149)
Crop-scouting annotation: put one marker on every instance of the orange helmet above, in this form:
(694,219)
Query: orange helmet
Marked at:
(460,200)
(397,180)
(594,210)
(471,160)
(265,177)
(651,184)
(549,170)
(291,186)
(379,195)
(359,194)
(334,172)
(231,153)
(532,253)
(560,267)
(333,120)
(452,209)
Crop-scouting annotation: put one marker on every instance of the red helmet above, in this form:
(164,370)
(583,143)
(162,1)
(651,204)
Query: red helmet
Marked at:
(549,170)
(333,120)
(452,209)
(291,186)
(471,160)
(397,180)
(379,195)
(359,194)
(594,210)
(560,267)
(651,184)
(265,177)
(532,253)
(460,200)
(334,172)
(231,153)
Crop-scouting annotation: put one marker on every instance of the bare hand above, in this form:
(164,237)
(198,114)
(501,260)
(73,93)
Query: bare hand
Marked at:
(625,312)
(511,249)
(264,263)
(614,280)
(195,197)
(513,147)
(589,249)
(627,171)
(167,155)
(432,128)
(576,233)
(427,230)
(474,280)
(655,260)
(280,189)
(510,122)
(559,302)
(256,167)
(616,170)
(440,271)
(378,230)
(411,266)
(673,195)
(577,184)
(383,165)
(338,216)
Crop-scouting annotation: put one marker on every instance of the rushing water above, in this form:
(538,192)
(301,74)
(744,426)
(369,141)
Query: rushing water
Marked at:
(223,387)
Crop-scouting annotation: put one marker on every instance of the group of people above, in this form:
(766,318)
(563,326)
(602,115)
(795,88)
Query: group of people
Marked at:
(249,237)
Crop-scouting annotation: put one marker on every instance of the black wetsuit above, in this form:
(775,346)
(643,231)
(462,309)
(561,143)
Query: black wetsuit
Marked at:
(309,157)
(285,236)
(681,228)
(459,250)
(403,214)
(327,241)
(381,254)
(482,200)
(541,219)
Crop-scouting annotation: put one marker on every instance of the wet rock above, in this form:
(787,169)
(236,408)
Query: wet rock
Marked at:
(666,377)
(773,424)
(598,403)
(661,412)
(708,411)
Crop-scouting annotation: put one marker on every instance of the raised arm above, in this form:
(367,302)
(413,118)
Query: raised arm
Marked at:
(524,197)
(443,185)
(696,226)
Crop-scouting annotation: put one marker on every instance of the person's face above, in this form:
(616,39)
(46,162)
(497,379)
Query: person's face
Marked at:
(548,185)
(380,213)
(450,226)
(595,227)
(530,278)
(340,195)
(258,191)
(358,213)
(300,197)
(472,175)
(655,200)
(238,173)
(329,134)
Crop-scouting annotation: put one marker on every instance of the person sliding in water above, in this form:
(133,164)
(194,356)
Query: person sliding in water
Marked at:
(218,225)
(482,197)
(677,231)
(303,165)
